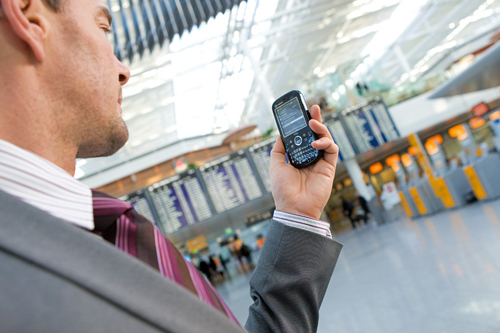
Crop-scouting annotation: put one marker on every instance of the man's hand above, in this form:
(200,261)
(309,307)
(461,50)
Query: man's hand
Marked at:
(305,191)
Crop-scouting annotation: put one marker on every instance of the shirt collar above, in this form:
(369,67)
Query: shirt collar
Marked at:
(44,185)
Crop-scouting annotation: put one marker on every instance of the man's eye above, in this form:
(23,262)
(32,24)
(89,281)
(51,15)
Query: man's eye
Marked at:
(107,30)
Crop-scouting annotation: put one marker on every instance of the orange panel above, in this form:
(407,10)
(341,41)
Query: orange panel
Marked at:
(495,115)
(392,159)
(436,138)
(406,160)
(431,147)
(412,151)
(376,168)
(476,122)
(458,132)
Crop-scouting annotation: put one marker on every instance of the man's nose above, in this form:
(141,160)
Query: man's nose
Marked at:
(123,73)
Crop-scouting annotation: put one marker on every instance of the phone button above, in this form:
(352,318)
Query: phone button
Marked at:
(298,140)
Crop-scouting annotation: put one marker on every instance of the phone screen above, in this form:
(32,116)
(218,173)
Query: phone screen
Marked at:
(291,117)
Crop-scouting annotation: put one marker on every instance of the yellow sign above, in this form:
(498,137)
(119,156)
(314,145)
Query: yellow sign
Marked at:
(406,207)
(197,244)
(418,201)
(475,182)
(420,154)
(442,191)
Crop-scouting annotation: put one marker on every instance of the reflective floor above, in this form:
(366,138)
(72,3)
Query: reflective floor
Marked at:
(433,274)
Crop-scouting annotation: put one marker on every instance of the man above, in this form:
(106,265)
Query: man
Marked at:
(348,209)
(60,93)
(364,207)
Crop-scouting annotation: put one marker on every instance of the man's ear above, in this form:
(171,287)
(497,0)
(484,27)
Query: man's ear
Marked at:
(27,20)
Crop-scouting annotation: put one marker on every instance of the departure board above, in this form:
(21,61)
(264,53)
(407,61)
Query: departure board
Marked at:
(180,201)
(383,119)
(230,181)
(141,204)
(261,155)
(361,127)
(340,136)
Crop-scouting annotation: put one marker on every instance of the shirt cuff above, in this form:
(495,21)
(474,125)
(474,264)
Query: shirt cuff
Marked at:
(303,222)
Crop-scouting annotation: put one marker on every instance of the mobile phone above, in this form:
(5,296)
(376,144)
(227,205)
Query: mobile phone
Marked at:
(292,116)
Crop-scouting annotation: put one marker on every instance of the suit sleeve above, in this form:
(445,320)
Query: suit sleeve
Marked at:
(290,281)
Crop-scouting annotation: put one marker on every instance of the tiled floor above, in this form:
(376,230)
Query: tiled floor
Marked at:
(433,274)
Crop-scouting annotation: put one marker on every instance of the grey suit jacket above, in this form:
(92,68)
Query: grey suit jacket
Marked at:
(55,277)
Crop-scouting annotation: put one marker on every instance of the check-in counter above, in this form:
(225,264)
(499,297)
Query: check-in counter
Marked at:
(458,185)
(407,203)
(435,203)
(423,197)
(483,176)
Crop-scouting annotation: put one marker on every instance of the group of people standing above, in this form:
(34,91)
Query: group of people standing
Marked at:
(350,211)
(215,267)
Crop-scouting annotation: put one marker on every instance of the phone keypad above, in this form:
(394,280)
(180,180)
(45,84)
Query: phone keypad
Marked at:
(300,150)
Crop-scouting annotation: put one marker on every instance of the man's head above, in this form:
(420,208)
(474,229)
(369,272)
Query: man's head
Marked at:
(57,55)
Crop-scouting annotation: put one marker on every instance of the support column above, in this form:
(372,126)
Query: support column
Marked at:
(264,85)
(402,59)
(356,175)
(265,88)
(365,191)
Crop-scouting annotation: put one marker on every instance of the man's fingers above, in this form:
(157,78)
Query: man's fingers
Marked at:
(315,112)
(330,148)
(325,142)
(320,129)
(278,154)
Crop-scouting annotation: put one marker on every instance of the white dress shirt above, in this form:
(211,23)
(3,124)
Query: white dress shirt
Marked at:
(44,185)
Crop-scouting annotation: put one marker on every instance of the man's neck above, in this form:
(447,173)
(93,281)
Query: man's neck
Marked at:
(27,117)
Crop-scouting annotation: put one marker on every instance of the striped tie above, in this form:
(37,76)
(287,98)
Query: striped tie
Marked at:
(118,223)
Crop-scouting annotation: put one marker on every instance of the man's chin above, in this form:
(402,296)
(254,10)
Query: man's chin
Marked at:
(103,149)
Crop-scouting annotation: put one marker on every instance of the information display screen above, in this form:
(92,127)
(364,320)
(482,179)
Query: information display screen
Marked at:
(362,130)
(261,155)
(340,136)
(230,181)
(291,117)
(180,201)
(384,121)
(141,204)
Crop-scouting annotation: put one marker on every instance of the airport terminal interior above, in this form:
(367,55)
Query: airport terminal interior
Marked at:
(410,92)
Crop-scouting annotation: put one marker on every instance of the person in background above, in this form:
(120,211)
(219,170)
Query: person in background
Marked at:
(364,207)
(247,253)
(223,262)
(205,268)
(214,270)
(348,209)
(260,241)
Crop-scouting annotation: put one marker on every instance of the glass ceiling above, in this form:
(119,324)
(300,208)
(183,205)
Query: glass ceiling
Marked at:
(226,72)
